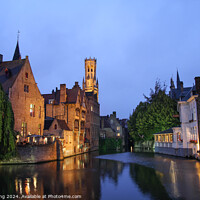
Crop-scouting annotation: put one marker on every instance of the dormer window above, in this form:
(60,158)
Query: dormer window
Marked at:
(26,74)
(7,72)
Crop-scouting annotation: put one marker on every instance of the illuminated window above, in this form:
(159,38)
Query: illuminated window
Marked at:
(118,134)
(76,124)
(24,129)
(39,129)
(171,138)
(26,88)
(118,128)
(51,101)
(91,108)
(39,111)
(32,110)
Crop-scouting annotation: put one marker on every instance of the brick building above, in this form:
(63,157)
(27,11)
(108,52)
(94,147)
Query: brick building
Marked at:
(79,108)
(17,80)
(68,105)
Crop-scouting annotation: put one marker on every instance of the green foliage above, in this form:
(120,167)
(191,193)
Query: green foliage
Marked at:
(7,134)
(153,115)
(108,144)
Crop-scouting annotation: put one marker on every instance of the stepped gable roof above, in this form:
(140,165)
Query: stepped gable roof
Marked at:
(63,124)
(170,130)
(47,123)
(9,71)
(72,95)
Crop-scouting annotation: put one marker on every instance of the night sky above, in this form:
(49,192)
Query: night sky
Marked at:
(135,42)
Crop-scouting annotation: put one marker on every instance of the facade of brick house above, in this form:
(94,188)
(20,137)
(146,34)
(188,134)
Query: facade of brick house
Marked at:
(17,80)
(69,105)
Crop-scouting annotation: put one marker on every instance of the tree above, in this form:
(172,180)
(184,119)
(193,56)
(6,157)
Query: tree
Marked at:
(153,115)
(7,134)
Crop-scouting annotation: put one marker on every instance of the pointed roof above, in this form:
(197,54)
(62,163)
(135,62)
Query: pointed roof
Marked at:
(17,55)
(172,83)
(14,68)
(178,82)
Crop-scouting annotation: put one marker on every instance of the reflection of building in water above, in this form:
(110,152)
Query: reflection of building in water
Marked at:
(148,181)
(79,176)
(181,176)
(74,176)
(173,177)
(197,165)
(28,186)
(111,169)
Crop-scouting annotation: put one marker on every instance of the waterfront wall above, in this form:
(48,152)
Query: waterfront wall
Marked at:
(182,152)
(40,153)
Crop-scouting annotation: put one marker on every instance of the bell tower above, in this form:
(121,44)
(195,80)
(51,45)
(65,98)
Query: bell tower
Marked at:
(90,85)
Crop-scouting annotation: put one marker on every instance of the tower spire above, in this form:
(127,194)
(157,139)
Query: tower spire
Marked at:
(17,55)
(178,82)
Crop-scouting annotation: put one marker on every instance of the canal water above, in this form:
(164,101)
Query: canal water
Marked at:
(104,177)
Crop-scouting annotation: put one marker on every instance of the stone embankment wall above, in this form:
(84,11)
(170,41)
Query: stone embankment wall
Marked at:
(174,152)
(40,153)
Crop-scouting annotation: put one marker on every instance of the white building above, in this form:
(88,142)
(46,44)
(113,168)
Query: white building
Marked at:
(182,141)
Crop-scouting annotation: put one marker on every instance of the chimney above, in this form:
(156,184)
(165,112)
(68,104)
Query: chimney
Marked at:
(197,84)
(114,114)
(181,83)
(63,94)
(1,58)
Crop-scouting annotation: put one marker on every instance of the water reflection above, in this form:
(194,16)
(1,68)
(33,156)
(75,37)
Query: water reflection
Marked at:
(92,178)
(148,181)
(74,176)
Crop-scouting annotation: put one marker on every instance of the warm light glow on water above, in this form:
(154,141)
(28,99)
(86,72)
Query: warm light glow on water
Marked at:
(116,176)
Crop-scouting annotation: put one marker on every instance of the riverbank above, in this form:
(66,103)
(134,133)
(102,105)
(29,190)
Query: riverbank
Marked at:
(35,154)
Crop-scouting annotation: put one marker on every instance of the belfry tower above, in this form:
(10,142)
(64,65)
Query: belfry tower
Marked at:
(90,85)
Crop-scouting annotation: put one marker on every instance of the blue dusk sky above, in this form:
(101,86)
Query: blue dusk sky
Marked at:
(135,42)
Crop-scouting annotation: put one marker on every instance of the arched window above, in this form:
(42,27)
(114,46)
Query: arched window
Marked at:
(88,70)
(55,127)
